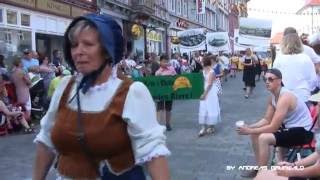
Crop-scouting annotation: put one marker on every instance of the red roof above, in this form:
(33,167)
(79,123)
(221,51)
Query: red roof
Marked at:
(307,4)
(276,39)
(312,3)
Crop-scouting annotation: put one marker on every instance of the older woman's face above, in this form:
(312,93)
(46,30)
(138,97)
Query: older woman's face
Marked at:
(86,51)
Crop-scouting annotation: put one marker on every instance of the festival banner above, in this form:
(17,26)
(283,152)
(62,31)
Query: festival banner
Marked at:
(192,40)
(181,87)
(218,41)
(243,47)
(201,6)
(237,45)
(255,32)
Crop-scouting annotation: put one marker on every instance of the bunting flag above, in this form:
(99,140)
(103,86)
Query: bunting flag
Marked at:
(282,12)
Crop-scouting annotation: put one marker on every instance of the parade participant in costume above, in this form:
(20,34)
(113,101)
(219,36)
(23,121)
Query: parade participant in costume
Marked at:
(209,109)
(248,72)
(95,123)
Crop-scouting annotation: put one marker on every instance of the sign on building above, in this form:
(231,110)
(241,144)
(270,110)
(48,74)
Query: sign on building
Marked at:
(201,6)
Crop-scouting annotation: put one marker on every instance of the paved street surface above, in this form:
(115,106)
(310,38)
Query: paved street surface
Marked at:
(192,158)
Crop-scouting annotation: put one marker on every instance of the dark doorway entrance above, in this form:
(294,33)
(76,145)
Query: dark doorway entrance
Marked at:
(43,44)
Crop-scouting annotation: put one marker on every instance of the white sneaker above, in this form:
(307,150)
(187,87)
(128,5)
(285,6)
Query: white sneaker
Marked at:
(210,130)
(202,132)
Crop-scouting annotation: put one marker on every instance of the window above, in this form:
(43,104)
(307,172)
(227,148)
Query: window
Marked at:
(163,3)
(209,19)
(202,18)
(1,16)
(173,5)
(179,7)
(25,19)
(12,17)
(8,37)
(185,8)
(214,18)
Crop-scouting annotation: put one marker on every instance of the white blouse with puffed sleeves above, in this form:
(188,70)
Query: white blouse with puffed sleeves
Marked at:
(146,134)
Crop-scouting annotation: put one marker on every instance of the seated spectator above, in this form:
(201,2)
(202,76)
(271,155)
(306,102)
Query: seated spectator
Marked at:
(286,123)
(3,91)
(14,116)
(311,163)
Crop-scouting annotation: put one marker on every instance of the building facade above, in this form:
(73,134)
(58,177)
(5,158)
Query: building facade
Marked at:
(183,16)
(222,7)
(310,13)
(144,23)
(148,25)
(237,9)
(37,25)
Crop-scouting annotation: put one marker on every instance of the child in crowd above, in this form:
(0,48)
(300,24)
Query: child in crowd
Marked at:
(233,69)
(165,70)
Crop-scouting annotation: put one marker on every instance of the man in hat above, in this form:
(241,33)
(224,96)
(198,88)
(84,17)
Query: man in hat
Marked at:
(286,122)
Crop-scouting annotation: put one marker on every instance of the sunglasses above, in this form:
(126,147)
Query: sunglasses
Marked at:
(269,79)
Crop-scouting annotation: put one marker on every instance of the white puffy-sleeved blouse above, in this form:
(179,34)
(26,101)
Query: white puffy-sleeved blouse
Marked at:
(146,134)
